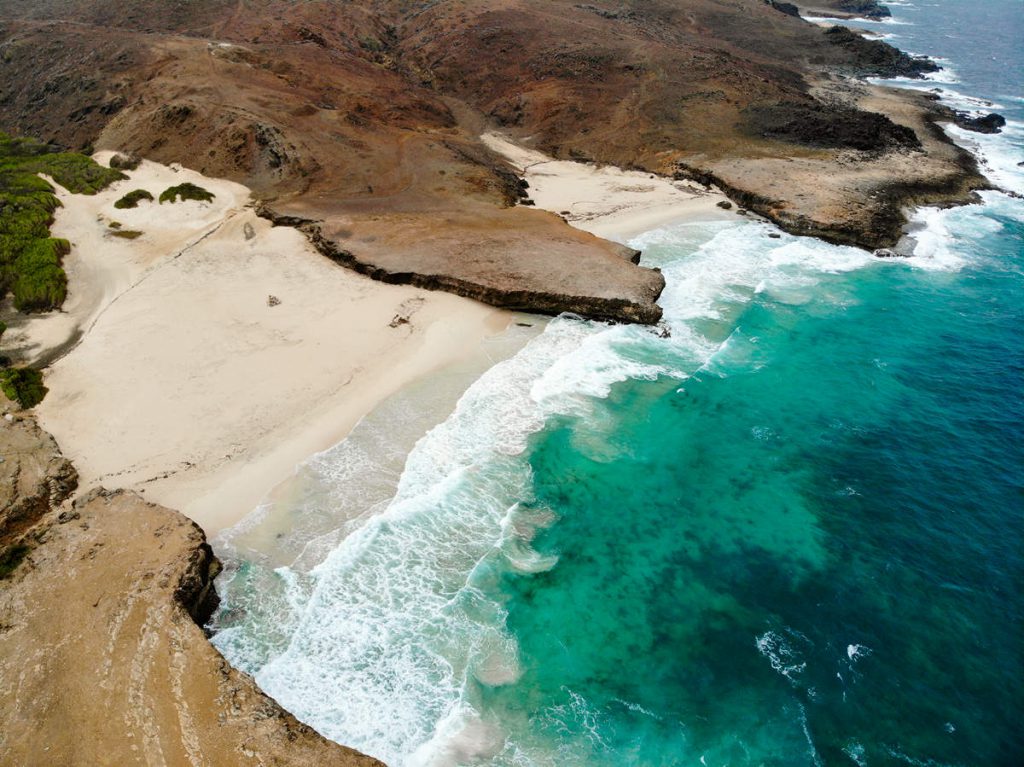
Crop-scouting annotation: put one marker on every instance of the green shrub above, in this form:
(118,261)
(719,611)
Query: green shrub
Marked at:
(30,260)
(133,198)
(185,191)
(11,558)
(38,281)
(125,161)
(23,385)
(126,234)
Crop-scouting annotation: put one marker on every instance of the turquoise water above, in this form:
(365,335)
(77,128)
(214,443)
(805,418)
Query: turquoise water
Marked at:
(791,533)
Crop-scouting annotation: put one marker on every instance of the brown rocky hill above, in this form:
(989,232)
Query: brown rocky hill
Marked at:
(365,116)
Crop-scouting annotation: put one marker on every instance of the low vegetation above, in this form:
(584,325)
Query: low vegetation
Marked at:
(30,259)
(133,198)
(11,558)
(185,191)
(122,161)
(23,385)
(126,234)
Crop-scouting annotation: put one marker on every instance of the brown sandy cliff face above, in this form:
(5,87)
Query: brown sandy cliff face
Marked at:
(102,660)
(365,117)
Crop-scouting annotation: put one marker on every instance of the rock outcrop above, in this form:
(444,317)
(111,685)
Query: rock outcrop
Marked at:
(835,127)
(34,476)
(102,657)
(865,9)
(986,123)
(503,266)
(876,58)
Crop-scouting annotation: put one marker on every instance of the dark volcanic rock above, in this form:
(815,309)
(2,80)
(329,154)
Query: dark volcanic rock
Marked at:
(821,125)
(787,8)
(868,9)
(874,57)
(990,123)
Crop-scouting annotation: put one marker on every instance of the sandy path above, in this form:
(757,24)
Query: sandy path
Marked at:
(186,385)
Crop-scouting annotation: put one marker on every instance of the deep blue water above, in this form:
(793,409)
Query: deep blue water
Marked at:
(790,534)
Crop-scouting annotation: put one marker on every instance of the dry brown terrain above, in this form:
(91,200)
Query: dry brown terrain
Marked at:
(102,660)
(366,116)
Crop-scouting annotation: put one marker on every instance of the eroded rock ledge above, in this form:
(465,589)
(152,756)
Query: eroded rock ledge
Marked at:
(857,194)
(102,660)
(612,288)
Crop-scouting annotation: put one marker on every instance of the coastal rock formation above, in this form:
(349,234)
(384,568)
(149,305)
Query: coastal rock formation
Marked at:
(876,58)
(503,266)
(838,127)
(34,476)
(986,123)
(866,9)
(787,8)
(367,116)
(102,658)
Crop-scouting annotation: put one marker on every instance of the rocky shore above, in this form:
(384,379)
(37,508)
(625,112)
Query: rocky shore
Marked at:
(103,659)
(846,9)
(612,288)
(362,130)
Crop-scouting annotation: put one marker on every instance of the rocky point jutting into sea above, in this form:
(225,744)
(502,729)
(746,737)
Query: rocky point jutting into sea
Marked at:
(369,127)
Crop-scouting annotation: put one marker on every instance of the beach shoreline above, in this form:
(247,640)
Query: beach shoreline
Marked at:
(202,361)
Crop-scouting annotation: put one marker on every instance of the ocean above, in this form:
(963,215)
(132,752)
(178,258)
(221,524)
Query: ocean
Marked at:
(790,533)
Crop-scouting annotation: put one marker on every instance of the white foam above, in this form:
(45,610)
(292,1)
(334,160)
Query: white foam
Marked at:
(855,751)
(998,153)
(856,651)
(781,655)
(888,21)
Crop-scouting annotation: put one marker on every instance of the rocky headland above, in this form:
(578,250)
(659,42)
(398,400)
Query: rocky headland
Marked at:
(103,659)
(847,9)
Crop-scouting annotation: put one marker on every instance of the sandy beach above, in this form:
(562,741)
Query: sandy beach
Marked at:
(179,379)
(174,373)
(604,200)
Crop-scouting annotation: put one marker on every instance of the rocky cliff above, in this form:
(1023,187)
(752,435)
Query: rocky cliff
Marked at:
(102,657)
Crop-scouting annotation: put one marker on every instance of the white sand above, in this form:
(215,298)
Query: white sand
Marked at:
(179,380)
(607,201)
(186,385)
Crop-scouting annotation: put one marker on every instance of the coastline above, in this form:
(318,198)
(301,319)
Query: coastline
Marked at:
(268,387)
(175,378)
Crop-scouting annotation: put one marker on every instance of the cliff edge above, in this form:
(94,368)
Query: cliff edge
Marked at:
(102,658)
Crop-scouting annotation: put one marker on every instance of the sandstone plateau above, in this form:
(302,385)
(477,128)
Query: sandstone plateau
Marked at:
(102,656)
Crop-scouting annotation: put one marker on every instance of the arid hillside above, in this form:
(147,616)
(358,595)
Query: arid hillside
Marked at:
(366,116)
